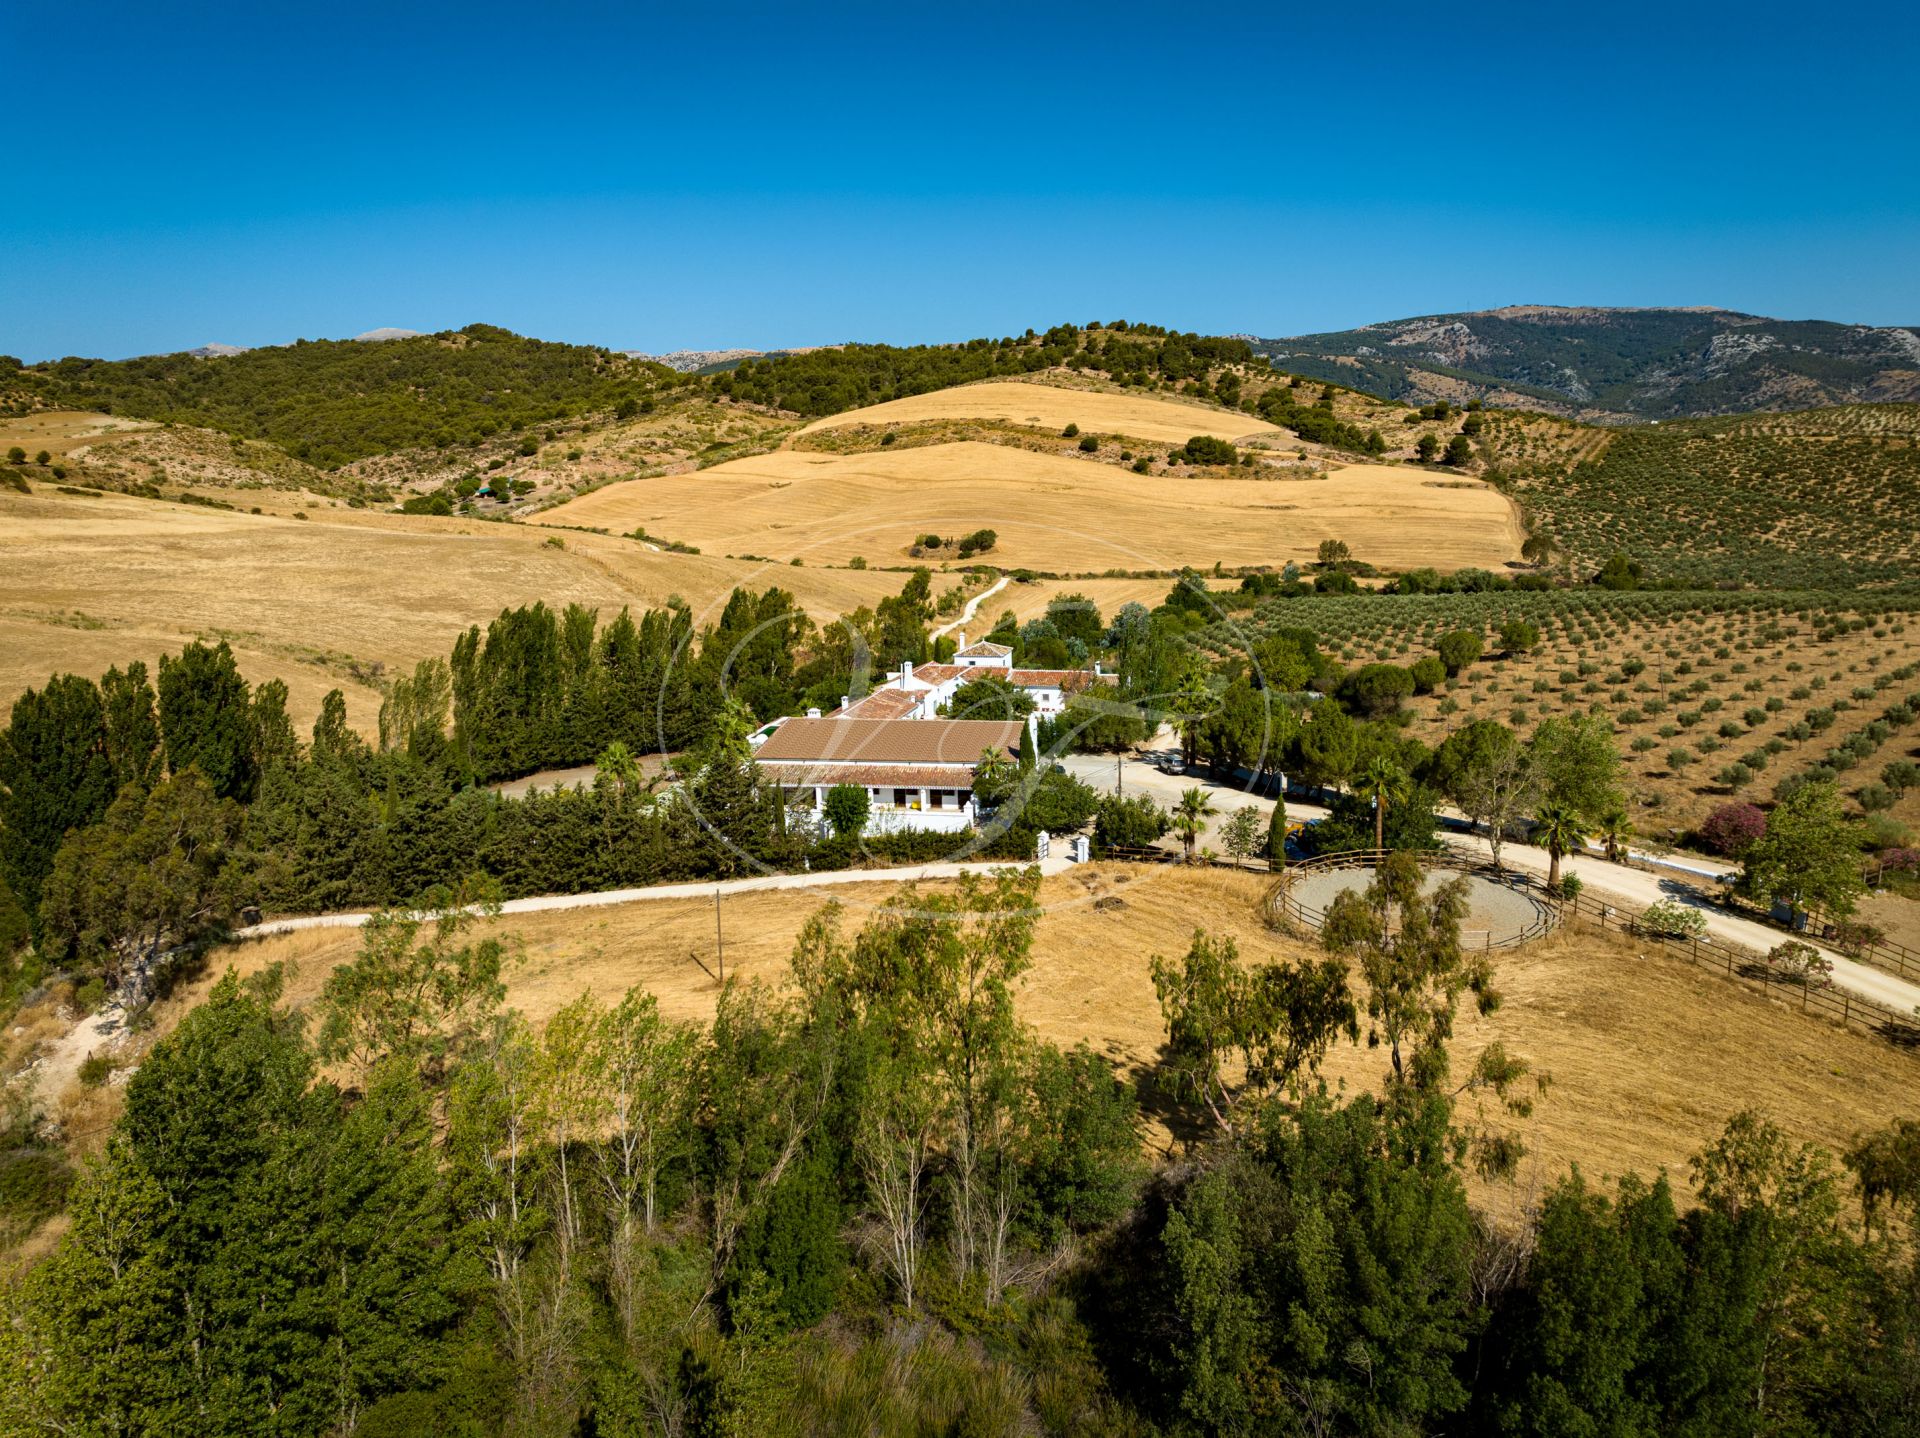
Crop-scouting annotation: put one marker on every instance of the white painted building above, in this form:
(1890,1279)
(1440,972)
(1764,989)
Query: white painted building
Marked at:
(920,691)
(918,773)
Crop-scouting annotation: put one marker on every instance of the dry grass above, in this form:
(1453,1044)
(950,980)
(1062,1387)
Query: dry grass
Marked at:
(1053,513)
(1156,418)
(329,601)
(1649,1056)
(62,431)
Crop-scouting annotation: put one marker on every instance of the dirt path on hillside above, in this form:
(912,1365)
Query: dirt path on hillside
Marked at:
(966,615)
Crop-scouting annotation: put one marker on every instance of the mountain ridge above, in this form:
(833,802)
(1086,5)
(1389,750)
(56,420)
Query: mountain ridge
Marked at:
(1614,363)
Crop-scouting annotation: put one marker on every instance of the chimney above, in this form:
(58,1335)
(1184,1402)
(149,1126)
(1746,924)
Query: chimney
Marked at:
(963,639)
(906,672)
(843,701)
(813,711)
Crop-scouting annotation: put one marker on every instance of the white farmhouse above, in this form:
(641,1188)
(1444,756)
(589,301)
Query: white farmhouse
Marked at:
(918,773)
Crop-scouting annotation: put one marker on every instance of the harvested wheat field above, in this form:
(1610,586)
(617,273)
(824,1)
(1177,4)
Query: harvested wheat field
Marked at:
(331,600)
(1053,407)
(1648,1055)
(1051,512)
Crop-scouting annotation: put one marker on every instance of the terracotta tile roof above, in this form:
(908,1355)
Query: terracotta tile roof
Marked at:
(882,704)
(933,674)
(980,649)
(878,776)
(890,741)
(1046,678)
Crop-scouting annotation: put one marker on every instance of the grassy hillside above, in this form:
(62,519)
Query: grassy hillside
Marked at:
(332,401)
(1646,363)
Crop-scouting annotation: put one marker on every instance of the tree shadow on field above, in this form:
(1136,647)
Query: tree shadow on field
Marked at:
(1681,891)
(1187,1123)
(1902,1033)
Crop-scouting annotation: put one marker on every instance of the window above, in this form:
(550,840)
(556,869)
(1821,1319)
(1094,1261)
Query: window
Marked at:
(902,798)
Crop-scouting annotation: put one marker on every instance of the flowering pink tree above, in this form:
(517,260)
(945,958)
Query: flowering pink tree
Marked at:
(1731,827)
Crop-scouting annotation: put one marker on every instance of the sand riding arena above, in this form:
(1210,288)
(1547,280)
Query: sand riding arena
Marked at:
(1504,908)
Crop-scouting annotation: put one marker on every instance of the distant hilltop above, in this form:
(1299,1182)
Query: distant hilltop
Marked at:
(1615,364)
(220,351)
(692,361)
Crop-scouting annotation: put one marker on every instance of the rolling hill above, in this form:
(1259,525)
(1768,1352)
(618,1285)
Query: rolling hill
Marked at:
(1052,513)
(1614,363)
(329,402)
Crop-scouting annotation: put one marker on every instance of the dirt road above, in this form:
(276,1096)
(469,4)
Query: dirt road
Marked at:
(1632,890)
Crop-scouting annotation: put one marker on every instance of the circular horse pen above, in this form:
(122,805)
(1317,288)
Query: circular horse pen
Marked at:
(1504,908)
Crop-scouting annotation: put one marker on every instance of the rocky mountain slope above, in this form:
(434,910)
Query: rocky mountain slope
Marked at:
(1615,363)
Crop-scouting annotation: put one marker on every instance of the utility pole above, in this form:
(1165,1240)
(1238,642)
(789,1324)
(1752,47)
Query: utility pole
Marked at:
(719,939)
(1119,777)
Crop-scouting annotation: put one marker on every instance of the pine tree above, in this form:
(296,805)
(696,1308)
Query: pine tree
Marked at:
(207,721)
(56,774)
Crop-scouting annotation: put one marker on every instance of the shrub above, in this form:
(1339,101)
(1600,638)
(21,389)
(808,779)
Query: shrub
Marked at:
(847,808)
(1459,648)
(1376,689)
(1670,919)
(95,1069)
(1798,963)
(1070,431)
(1730,828)
(1132,823)
(1901,775)
(1205,449)
(1517,636)
(1089,444)
(1428,674)
(1875,797)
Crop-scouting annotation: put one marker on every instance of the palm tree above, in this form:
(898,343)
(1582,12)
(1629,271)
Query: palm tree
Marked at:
(1384,782)
(1560,830)
(992,774)
(1614,830)
(1190,817)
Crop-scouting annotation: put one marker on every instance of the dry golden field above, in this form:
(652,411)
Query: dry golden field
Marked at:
(1053,513)
(61,431)
(323,602)
(1648,1055)
(1157,418)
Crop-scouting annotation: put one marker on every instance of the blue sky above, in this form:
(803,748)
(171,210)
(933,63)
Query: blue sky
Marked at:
(707,176)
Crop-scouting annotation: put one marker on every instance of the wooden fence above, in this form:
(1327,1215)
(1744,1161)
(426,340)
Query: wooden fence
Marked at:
(1281,907)
(1735,962)
(1750,967)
